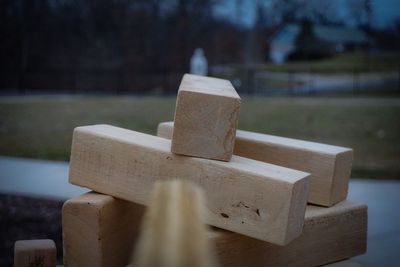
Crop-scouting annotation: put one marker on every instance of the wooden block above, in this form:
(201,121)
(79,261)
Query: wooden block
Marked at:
(206,116)
(253,198)
(173,230)
(40,252)
(330,166)
(329,235)
(99,230)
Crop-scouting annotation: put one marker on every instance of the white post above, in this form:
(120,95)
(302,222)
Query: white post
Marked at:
(198,63)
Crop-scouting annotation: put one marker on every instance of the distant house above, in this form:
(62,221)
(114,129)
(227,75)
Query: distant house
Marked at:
(333,39)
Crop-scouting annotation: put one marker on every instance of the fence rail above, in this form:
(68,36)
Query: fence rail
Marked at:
(260,82)
(248,81)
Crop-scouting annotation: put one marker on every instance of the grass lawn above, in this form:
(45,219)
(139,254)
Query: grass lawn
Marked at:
(41,127)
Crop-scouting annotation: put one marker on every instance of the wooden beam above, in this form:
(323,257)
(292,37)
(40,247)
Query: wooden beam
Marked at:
(329,235)
(206,116)
(99,230)
(253,198)
(40,252)
(173,230)
(329,166)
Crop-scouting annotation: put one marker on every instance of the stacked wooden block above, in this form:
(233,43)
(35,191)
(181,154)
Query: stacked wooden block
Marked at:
(257,187)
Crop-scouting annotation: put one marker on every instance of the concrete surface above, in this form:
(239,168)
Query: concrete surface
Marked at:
(42,178)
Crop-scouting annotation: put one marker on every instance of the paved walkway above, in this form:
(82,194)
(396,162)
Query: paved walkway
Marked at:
(42,178)
(50,179)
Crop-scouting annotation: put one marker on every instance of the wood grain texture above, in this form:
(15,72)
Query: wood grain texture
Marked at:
(99,230)
(329,235)
(253,198)
(173,232)
(39,252)
(329,166)
(206,116)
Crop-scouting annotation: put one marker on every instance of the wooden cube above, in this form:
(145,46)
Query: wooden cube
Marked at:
(40,252)
(99,230)
(329,166)
(206,118)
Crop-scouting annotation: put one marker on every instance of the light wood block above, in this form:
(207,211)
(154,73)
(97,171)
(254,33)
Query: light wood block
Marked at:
(99,230)
(173,230)
(253,198)
(329,235)
(206,116)
(40,252)
(329,166)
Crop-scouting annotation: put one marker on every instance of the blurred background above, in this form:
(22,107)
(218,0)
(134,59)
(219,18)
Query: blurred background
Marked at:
(267,47)
(325,71)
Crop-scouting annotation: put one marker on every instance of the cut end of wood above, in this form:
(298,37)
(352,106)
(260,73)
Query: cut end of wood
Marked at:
(40,252)
(208,85)
(165,129)
(341,176)
(295,226)
(37,244)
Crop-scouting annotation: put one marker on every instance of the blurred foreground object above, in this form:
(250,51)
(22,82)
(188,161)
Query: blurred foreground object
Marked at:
(40,252)
(173,233)
(198,63)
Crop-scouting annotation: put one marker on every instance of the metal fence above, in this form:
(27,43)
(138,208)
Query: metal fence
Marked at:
(256,82)
(248,81)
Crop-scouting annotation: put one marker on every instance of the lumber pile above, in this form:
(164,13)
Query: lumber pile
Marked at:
(268,200)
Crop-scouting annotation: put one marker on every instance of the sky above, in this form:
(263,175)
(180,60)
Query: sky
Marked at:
(383,11)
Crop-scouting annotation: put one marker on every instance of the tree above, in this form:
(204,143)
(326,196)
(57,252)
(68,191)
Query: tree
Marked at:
(360,12)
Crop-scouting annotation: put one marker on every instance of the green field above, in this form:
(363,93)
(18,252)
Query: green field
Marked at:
(41,127)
